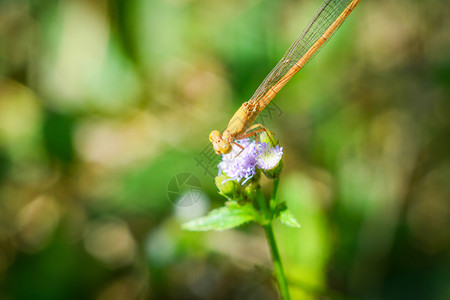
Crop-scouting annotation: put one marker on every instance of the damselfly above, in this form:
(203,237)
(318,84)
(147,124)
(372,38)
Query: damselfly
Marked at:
(322,26)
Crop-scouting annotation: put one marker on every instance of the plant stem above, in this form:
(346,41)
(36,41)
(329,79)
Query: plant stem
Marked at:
(273,202)
(277,265)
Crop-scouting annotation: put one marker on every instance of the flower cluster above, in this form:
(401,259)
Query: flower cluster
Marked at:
(241,164)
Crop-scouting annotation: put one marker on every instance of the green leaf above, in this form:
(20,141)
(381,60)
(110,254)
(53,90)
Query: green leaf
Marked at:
(287,218)
(279,208)
(226,196)
(226,217)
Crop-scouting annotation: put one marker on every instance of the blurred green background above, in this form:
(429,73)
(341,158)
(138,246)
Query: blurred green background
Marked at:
(103,103)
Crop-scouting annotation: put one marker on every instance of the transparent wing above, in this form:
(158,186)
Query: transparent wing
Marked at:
(323,18)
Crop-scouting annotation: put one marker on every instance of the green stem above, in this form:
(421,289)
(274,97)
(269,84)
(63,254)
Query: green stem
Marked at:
(273,202)
(277,265)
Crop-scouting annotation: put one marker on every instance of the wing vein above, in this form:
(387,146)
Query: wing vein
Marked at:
(324,17)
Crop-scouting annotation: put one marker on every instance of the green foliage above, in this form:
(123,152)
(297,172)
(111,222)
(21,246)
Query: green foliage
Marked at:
(234,215)
(230,216)
(285,216)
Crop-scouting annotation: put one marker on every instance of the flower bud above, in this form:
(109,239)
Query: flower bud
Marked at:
(250,190)
(226,185)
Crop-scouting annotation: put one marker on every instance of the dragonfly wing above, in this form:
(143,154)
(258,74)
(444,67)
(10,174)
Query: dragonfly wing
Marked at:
(324,17)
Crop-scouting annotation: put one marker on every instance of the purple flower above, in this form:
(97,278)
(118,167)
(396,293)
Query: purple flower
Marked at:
(268,157)
(241,164)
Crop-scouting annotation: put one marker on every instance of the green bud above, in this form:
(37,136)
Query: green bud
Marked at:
(226,185)
(250,190)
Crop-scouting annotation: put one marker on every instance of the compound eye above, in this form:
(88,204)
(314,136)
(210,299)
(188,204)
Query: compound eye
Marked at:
(225,149)
(213,134)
